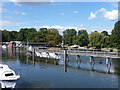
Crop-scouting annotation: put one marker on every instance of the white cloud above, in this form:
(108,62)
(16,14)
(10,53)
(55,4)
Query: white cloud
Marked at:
(62,14)
(92,16)
(108,15)
(23,13)
(7,23)
(62,28)
(102,10)
(100,29)
(111,15)
(75,12)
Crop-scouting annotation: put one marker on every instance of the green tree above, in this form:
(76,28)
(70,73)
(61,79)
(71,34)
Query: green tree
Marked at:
(83,38)
(39,37)
(68,36)
(43,30)
(115,37)
(53,38)
(25,33)
(82,32)
(104,33)
(95,39)
(9,35)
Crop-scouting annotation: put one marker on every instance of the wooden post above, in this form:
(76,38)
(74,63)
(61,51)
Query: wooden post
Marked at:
(46,61)
(33,54)
(65,58)
(18,49)
(90,59)
(78,59)
(34,57)
(108,64)
(118,53)
(92,62)
(107,60)
(65,55)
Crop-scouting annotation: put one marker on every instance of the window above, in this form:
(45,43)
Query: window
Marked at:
(1,67)
(9,74)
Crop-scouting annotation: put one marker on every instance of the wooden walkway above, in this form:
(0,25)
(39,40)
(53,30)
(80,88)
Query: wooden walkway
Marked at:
(81,53)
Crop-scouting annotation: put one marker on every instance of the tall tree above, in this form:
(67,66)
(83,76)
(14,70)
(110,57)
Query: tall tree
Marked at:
(95,39)
(104,33)
(68,35)
(115,37)
(53,38)
(25,33)
(39,37)
(82,32)
(83,38)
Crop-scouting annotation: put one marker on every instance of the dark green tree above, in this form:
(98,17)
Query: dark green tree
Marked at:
(115,36)
(53,38)
(104,33)
(68,36)
(27,33)
(83,38)
(39,37)
(95,39)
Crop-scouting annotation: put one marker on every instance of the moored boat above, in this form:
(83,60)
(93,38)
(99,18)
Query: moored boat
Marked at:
(7,74)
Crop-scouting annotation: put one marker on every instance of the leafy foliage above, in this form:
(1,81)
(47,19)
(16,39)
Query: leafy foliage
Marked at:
(115,37)
(70,37)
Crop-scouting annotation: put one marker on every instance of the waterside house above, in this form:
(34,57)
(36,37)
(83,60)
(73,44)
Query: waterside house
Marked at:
(15,44)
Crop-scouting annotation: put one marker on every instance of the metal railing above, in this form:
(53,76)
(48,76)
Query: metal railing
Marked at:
(77,52)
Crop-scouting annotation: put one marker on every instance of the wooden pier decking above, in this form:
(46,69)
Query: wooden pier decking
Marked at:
(81,53)
(78,54)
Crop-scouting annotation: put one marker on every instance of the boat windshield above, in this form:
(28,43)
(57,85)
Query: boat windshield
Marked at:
(9,74)
(1,67)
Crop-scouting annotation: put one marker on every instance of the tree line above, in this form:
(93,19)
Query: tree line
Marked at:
(70,37)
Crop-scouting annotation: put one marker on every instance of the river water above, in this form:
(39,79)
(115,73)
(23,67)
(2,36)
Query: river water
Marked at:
(51,73)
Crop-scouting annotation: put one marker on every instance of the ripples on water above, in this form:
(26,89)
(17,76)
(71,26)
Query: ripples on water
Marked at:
(51,73)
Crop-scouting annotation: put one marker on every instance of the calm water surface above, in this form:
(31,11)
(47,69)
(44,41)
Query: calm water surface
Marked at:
(50,73)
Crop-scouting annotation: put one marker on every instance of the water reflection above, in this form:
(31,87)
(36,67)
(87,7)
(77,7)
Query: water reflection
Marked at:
(8,84)
(35,71)
(81,63)
(92,67)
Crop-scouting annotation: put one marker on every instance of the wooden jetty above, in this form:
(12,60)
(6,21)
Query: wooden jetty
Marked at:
(78,54)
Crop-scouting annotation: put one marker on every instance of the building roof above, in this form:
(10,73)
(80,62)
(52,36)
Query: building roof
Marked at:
(18,42)
(11,42)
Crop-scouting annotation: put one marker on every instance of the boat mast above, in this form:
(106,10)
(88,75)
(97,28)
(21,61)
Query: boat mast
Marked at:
(27,44)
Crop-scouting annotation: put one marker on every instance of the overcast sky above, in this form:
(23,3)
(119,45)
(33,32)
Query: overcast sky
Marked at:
(92,16)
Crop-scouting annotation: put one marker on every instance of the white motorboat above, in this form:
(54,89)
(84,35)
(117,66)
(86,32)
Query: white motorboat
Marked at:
(53,55)
(4,46)
(7,74)
(44,54)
